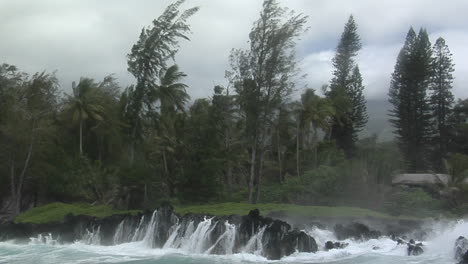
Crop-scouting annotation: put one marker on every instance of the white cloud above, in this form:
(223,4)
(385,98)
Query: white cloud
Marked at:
(92,38)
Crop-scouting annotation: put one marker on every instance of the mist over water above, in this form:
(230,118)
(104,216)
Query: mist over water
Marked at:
(190,246)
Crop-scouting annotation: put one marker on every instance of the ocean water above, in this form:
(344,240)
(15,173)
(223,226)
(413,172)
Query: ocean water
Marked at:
(438,249)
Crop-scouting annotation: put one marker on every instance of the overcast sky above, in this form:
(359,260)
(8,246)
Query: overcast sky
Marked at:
(91,38)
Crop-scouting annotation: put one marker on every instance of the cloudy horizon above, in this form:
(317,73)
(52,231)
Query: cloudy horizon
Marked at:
(92,38)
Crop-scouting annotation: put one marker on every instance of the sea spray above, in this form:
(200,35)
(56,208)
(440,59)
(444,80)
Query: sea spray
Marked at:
(119,233)
(92,237)
(148,239)
(170,241)
(226,240)
(255,243)
(198,239)
(139,234)
(43,239)
(438,247)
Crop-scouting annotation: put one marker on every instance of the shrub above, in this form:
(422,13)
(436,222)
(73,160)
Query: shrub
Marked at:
(412,202)
(458,166)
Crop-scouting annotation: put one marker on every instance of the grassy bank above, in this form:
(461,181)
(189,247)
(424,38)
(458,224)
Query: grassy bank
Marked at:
(289,209)
(55,212)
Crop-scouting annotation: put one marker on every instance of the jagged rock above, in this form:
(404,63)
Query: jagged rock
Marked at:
(306,243)
(331,245)
(464,258)
(461,249)
(255,213)
(298,240)
(414,249)
(355,231)
(277,238)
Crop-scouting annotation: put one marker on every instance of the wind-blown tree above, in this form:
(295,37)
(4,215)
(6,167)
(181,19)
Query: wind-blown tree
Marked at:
(314,113)
(282,145)
(156,45)
(225,121)
(411,115)
(203,167)
(172,97)
(346,91)
(170,92)
(441,99)
(459,128)
(264,79)
(106,140)
(25,131)
(85,103)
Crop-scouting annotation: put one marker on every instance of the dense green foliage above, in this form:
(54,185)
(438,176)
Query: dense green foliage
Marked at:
(56,212)
(290,210)
(346,91)
(251,141)
(409,95)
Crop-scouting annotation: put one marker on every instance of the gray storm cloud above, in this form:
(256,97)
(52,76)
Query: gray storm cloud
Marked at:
(92,38)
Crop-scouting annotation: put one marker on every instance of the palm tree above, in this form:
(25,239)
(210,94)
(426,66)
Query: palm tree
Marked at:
(172,98)
(85,104)
(314,112)
(171,92)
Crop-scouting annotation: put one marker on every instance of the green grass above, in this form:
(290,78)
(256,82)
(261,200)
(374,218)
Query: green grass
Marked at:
(55,212)
(289,209)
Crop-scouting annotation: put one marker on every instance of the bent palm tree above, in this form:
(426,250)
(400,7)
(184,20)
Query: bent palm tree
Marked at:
(85,104)
(314,113)
(171,92)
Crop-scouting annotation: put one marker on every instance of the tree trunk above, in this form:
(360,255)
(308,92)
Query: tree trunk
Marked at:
(12,178)
(229,163)
(19,185)
(259,176)
(145,195)
(315,148)
(278,145)
(81,136)
(229,178)
(166,173)
(252,172)
(298,162)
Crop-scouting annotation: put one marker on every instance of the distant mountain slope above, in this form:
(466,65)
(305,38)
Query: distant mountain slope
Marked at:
(378,120)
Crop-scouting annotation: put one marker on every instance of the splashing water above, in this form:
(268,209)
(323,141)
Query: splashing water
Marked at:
(148,239)
(139,234)
(226,240)
(255,243)
(197,240)
(92,237)
(43,239)
(118,236)
(191,242)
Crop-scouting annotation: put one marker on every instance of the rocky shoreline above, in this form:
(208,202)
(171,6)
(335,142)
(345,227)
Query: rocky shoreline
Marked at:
(273,237)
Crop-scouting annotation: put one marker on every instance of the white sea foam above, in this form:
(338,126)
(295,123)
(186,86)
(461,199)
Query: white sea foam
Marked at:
(438,249)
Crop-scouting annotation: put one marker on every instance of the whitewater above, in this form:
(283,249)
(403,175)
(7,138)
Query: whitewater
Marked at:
(190,246)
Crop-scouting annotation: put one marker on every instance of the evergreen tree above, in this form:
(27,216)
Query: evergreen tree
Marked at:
(148,58)
(441,99)
(346,91)
(408,93)
(264,79)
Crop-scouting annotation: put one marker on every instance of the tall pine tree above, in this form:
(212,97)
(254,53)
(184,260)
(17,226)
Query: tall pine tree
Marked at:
(411,114)
(346,91)
(441,99)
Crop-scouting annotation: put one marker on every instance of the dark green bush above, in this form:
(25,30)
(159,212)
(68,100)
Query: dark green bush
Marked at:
(412,202)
